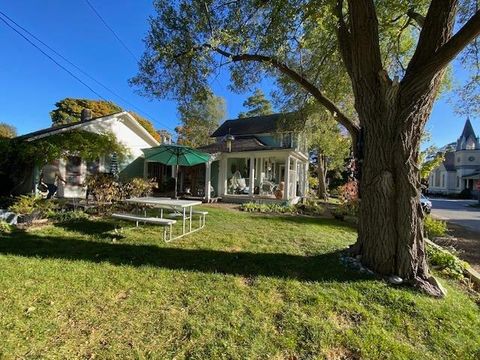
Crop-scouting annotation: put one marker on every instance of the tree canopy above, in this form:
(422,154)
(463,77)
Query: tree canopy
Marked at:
(69,110)
(7,131)
(375,66)
(18,156)
(199,120)
(256,104)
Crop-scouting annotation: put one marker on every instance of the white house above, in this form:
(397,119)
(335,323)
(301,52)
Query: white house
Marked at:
(251,159)
(460,171)
(74,169)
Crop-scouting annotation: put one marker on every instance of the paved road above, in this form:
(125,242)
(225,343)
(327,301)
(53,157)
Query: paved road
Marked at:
(458,212)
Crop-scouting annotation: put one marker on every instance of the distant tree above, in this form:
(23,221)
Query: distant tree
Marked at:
(7,131)
(257,104)
(69,111)
(199,119)
(328,147)
(429,159)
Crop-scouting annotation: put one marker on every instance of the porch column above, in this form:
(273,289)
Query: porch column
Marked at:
(297,174)
(252,176)
(145,168)
(222,177)
(305,179)
(287,178)
(208,170)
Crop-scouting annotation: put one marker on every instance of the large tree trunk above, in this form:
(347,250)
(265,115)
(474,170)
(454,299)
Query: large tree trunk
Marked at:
(322,181)
(392,115)
(390,234)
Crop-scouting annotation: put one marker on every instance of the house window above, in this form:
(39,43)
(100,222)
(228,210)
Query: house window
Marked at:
(443,180)
(73,170)
(437,178)
(458,181)
(238,172)
(93,167)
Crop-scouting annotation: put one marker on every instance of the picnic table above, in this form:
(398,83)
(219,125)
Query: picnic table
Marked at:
(182,209)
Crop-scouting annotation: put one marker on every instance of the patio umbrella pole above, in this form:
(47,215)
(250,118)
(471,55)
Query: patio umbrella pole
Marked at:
(176,179)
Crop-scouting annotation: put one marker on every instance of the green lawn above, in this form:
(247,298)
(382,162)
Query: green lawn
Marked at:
(248,286)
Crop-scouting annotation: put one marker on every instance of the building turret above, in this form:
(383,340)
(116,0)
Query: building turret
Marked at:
(468,140)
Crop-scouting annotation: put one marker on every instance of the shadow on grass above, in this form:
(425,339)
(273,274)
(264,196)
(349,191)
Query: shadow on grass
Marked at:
(322,267)
(304,220)
(100,229)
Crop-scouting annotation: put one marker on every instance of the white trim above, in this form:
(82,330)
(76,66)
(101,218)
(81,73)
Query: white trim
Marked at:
(147,136)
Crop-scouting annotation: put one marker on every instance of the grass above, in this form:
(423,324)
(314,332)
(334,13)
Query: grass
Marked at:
(247,286)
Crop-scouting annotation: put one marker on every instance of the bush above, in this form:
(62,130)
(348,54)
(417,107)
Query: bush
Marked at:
(309,208)
(349,200)
(103,187)
(29,204)
(267,208)
(24,204)
(63,216)
(446,262)
(5,227)
(137,187)
(434,228)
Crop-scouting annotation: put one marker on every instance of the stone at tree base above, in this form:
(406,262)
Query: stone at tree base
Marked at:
(395,280)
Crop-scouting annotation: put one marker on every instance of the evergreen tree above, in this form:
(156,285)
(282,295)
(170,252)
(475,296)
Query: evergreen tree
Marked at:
(257,104)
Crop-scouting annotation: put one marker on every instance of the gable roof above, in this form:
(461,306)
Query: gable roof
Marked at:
(449,161)
(60,128)
(35,135)
(252,125)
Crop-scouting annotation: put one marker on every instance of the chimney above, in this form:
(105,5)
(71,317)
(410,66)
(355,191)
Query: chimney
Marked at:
(86,115)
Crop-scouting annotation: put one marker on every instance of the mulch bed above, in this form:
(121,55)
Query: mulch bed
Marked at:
(466,242)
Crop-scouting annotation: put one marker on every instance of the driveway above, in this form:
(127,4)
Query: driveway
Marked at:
(457,212)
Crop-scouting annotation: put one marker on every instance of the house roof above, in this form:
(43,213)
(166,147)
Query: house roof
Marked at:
(60,128)
(250,143)
(252,125)
(468,130)
(449,161)
(78,125)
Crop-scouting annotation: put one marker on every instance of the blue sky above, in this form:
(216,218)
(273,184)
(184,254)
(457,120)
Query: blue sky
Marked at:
(30,84)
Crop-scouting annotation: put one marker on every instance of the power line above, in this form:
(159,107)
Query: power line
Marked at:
(75,66)
(52,59)
(111,30)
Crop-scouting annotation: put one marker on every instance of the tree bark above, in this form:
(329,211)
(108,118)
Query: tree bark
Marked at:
(321,174)
(392,116)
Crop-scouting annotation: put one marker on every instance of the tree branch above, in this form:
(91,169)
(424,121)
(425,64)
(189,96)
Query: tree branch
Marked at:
(436,30)
(457,43)
(339,116)
(365,40)
(419,18)
(447,52)
(344,38)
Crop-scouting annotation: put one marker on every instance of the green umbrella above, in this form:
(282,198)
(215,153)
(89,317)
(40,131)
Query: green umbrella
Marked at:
(176,155)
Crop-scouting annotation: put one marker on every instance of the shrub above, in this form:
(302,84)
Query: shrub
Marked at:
(267,208)
(5,227)
(349,191)
(349,200)
(137,187)
(446,262)
(310,207)
(24,204)
(63,216)
(434,228)
(103,187)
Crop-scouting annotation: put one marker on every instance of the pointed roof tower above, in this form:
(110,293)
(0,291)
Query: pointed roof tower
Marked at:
(468,139)
(468,130)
